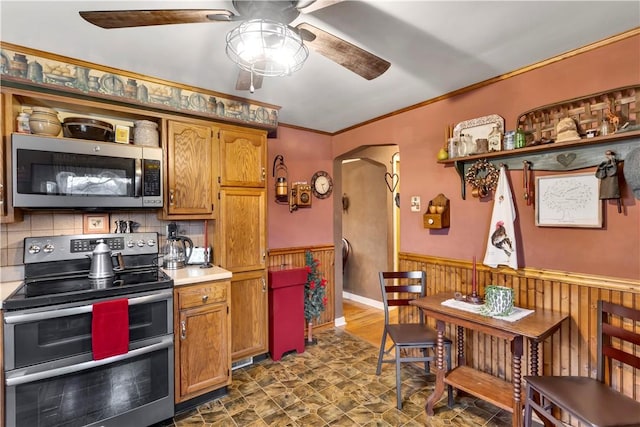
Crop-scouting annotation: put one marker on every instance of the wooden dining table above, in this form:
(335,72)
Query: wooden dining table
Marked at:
(535,327)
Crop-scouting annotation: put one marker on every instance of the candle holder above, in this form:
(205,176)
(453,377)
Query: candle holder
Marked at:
(474,298)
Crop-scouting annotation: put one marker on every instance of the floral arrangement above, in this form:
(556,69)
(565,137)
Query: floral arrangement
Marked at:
(315,299)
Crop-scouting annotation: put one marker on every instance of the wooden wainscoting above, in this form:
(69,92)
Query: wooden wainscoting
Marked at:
(294,257)
(572,349)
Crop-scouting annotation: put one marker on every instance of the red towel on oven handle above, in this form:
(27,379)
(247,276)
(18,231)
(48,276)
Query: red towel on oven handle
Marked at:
(110,328)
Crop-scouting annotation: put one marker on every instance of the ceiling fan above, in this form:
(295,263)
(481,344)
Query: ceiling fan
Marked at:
(343,53)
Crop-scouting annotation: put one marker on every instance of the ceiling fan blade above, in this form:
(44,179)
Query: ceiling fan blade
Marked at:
(348,55)
(244,81)
(309,6)
(143,18)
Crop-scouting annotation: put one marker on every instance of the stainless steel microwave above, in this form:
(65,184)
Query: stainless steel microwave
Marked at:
(71,173)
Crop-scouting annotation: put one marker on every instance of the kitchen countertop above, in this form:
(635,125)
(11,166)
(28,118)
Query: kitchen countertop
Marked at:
(194,274)
(6,288)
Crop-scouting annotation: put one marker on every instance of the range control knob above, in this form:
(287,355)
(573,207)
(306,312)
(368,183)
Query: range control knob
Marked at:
(151,242)
(34,249)
(130,244)
(48,248)
(140,243)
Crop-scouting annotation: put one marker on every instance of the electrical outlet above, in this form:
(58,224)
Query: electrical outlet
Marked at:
(415,203)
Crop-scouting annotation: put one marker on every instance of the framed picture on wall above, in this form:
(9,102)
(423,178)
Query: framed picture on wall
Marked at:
(95,223)
(568,201)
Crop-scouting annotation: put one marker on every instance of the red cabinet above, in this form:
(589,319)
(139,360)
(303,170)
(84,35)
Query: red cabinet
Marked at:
(286,310)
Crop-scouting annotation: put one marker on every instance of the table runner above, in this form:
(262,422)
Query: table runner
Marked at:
(517,314)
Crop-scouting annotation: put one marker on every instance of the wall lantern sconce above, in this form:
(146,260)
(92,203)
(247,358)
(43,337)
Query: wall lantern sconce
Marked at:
(300,194)
(280,174)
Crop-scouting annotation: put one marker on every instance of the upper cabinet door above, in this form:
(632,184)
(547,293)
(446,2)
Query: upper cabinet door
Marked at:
(190,169)
(243,157)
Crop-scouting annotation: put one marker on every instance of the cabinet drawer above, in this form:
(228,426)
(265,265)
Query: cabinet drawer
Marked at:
(202,295)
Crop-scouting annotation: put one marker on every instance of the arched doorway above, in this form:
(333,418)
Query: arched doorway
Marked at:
(365,213)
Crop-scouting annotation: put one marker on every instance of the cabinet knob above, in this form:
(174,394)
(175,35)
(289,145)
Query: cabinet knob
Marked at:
(205,298)
(264,173)
(171,196)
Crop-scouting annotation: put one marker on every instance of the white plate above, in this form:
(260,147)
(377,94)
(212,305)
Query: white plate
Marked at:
(480,127)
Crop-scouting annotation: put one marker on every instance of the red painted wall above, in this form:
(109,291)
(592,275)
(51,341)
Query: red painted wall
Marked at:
(613,250)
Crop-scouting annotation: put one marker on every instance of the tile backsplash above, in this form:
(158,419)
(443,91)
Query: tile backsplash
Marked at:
(51,224)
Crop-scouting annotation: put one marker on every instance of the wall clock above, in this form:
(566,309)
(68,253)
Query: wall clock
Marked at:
(321,184)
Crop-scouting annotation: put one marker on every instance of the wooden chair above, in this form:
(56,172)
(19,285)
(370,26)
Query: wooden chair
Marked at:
(591,400)
(398,288)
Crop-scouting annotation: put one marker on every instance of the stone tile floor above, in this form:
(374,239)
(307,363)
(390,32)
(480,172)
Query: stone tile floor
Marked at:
(333,383)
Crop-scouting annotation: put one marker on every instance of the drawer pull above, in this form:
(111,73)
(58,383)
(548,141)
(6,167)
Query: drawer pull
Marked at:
(183,330)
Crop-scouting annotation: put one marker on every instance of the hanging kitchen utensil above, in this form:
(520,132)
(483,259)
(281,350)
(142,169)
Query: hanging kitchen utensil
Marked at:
(526,181)
(607,173)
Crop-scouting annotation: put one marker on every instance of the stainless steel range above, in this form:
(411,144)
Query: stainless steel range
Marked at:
(52,374)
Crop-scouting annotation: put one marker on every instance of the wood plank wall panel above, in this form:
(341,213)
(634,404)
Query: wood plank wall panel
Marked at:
(572,349)
(325,255)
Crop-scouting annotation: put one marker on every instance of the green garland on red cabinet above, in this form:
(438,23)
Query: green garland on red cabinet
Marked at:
(315,300)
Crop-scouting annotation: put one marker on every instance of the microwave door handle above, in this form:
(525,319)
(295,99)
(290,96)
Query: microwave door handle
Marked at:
(21,378)
(138,179)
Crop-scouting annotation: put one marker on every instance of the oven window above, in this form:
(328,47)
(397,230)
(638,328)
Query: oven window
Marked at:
(57,338)
(97,394)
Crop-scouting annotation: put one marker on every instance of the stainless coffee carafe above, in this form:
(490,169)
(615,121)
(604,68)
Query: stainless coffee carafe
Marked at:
(177,249)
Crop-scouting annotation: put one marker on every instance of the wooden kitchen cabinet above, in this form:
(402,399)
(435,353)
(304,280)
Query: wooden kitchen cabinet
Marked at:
(243,157)
(191,171)
(202,331)
(242,229)
(10,109)
(242,236)
(250,320)
(241,232)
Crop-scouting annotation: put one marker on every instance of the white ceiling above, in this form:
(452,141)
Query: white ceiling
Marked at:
(434,47)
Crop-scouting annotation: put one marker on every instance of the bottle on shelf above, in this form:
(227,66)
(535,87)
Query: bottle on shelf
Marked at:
(453,147)
(495,139)
(510,140)
(521,139)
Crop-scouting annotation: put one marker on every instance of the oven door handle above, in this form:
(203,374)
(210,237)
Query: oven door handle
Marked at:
(19,378)
(14,318)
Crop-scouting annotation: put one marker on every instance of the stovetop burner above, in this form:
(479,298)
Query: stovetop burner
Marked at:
(59,290)
(57,270)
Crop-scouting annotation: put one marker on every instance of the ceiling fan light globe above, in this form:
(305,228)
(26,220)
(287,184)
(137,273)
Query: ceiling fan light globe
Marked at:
(266,47)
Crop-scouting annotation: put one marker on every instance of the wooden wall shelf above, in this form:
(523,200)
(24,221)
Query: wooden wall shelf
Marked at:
(557,156)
